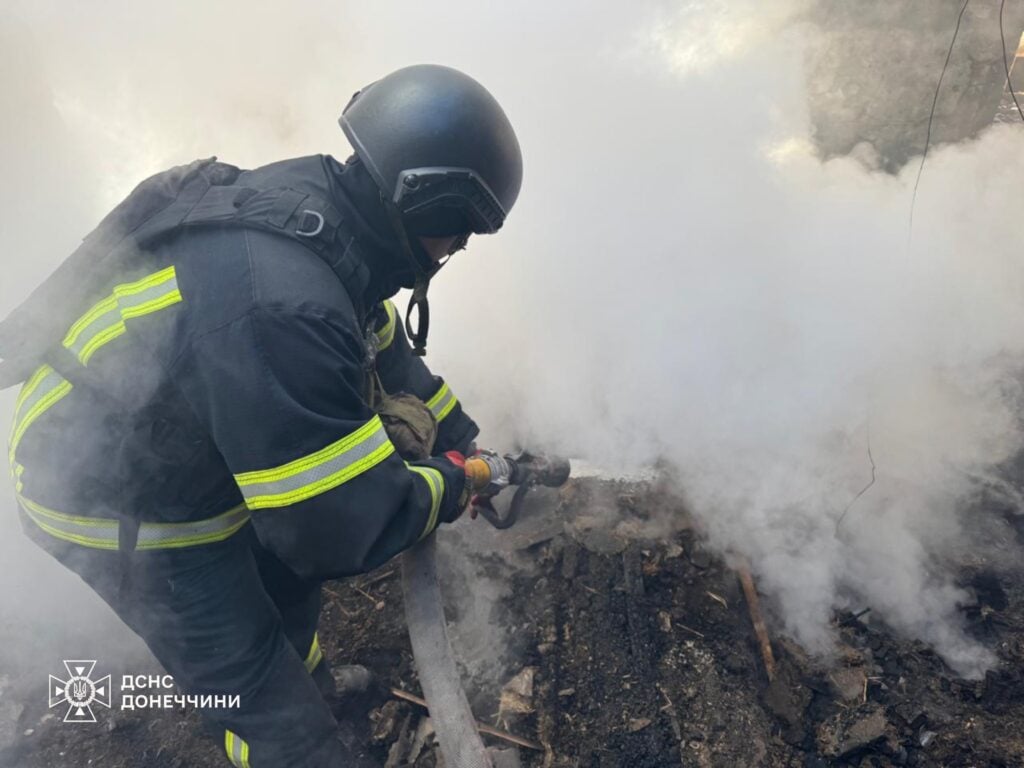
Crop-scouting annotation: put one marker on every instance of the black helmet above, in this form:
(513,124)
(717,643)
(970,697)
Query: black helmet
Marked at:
(439,147)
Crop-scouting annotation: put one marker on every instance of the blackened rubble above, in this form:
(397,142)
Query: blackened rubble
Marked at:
(632,646)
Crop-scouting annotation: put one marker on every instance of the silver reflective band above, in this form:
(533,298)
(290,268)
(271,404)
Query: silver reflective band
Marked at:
(39,386)
(102,324)
(44,390)
(237,750)
(317,473)
(442,403)
(106,320)
(435,482)
(102,533)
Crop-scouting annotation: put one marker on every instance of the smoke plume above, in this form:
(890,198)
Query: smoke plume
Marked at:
(682,281)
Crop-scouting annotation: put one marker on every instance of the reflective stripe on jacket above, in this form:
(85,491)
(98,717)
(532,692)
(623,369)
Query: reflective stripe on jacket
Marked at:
(402,371)
(235,361)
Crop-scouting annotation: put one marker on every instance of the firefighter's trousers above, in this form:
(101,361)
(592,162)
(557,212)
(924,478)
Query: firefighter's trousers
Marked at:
(228,619)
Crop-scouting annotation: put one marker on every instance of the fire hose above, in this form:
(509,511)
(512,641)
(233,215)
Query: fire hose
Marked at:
(487,474)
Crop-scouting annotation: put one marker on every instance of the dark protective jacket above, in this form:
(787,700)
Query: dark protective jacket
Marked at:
(235,363)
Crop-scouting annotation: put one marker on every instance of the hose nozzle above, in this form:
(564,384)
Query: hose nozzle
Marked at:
(488,474)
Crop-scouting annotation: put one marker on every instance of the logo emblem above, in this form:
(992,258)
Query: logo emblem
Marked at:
(80,692)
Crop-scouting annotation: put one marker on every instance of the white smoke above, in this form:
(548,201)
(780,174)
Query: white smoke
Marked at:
(681,280)
(708,292)
(47,202)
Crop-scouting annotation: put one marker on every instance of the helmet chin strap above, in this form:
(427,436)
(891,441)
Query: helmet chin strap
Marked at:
(419,301)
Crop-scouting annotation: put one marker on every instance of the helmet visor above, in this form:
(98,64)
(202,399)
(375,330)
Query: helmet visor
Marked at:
(421,190)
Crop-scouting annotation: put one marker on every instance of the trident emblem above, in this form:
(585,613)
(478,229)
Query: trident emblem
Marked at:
(79,692)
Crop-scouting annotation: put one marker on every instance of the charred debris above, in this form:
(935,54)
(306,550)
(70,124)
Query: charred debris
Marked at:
(621,640)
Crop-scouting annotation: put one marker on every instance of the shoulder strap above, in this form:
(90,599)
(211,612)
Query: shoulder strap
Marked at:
(154,208)
(300,216)
(306,218)
(201,194)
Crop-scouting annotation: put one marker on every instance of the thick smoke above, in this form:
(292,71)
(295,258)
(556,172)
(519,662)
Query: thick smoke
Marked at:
(709,293)
(682,280)
(48,201)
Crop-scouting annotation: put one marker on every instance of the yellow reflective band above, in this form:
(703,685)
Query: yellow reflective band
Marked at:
(181,535)
(315,654)
(237,749)
(55,389)
(435,482)
(442,403)
(317,473)
(106,320)
(101,339)
(154,305)
(34,390)
(30,386)
(85,541)
(102,533)
(96,328)
(110,302)
(386,334)
(17,470)
(108,305)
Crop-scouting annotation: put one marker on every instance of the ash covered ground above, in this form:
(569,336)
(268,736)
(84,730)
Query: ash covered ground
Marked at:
(613,638)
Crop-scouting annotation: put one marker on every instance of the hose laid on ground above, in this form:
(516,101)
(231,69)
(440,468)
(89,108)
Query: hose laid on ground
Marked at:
(424,607)
(453,720)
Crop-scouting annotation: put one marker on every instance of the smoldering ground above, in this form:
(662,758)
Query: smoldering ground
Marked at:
(682,280)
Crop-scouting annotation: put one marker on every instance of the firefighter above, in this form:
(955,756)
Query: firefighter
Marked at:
(241,412)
